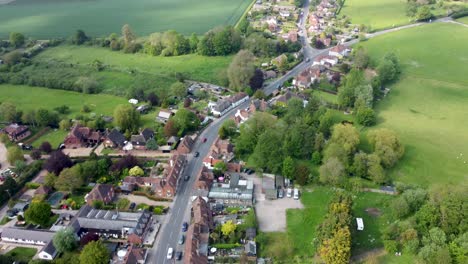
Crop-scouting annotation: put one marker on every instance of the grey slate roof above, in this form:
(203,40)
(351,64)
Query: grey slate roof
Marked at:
(26,234)
(116,137)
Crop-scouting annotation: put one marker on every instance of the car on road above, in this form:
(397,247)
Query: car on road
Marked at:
(181,239)
(196,154)
(289,193)
(184,227)
(308,59)
(186,177)
(132,206)
(204,140)
(280,193)
(178,255)
(170,252)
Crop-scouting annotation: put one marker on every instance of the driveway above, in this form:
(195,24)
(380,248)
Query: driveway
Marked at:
(141,199)
(78,152)
(3,157)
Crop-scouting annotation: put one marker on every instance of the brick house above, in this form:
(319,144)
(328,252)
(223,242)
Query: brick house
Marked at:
(100,192)
(196,246)
(114,139)
(17,132)
(185,145)
(81,136)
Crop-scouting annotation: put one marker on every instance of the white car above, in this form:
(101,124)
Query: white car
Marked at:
(170,253)
(289,193)
(296,194)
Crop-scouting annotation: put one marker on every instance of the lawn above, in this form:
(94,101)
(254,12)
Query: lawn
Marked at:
(463,20)
(326,97)
(54,137)
(378,14)
(127,70)
(54,18)
(427,106)
(22,254)
(369,238)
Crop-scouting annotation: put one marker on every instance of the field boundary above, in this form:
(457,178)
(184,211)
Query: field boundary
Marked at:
(243,14)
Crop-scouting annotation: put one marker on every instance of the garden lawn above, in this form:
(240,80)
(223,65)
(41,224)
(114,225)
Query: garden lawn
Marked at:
(427,106)
(326,97)
(22,254)
(54,137)
(377,14)
(51,18)
(370,237)
(463,20)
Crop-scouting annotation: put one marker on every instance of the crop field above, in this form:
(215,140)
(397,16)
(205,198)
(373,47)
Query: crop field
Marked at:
(61,18)
(427,106)
(126,70)
(377,14)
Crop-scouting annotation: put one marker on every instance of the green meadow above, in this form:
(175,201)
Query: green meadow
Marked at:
(427,106)
(61,18)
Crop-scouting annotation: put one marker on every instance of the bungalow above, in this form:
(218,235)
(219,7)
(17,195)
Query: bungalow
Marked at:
(280,60)
(164,115)
(283,99)
(100,192)
(114,139)
(339,51)
(185,145)
(26,236)
(284,14)
(269,75)
(17,132)
(81,136)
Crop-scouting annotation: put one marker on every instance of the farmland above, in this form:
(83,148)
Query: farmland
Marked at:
(126,70)
(53,18)
(427,106)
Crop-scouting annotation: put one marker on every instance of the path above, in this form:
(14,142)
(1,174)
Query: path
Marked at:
(3,157)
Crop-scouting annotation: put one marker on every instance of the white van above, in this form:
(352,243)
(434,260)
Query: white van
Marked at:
(289,193)
(296,194)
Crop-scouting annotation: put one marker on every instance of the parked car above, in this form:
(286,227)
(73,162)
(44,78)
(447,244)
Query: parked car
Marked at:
(296,194)
(196,154)
(308,59)
(289,193)
(186,177)
(280,193)
(204,140)
(178,255)
(170,252)
(132,206)
(181,239)
(184,227)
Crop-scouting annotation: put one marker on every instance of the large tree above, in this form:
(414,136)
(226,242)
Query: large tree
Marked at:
(38,213)
(69,180)
(185,121)
(65,240)
(57,162)
(179,90)
(332,172)
(126,118)
(79,37)
(16,39)
(346,136)
(14,154)
(387,146)
(256,82)
(227,129)
(337,249)
(241,70)
(288,168)
(8,112)
(127,34)
(95,252)
(268,154)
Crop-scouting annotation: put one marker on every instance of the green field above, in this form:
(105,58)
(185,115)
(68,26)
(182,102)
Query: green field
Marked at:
(116,78)
(463,20)
(59,18)
(22,254)
(378,14)
(54,137)
(427,107)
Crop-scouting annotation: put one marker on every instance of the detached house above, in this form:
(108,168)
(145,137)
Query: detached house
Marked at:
(221,107)
(326,60)
(308,77)
(164,115)
(339,51)
(139,141)
(258,105)
(100,192)
(114,139)
(241,116)
(81,136)
(17,132)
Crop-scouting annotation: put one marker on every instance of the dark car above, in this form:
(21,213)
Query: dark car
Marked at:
(186,177)
(178,255)
(184,227)
(181,240)
(132,206)
(196,154)
(204,140)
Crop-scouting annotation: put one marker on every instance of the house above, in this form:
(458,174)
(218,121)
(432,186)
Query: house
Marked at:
(26,236)
(114,139)
(241,116)
(272,24)
(280,60)
(48,252)
(17,132)
(42,190)
(134,255)
(308,77)
(238,99)
(131,227)
(196,245)
(238,192)
(172,141)
(339,51)
(185,145)
(258,105)
(221,107)
(325,60)
(204,180)
(269,75)
(210,162)
(292,36)
(164,115)
(131,182)
(100,192)
(283,99)
(81,136)
(139,141)
(167,187)
(220,151)
(284,14)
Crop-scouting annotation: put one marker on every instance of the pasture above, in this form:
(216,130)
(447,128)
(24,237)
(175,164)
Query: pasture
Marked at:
(427,106)
(58,18)
(377,14)
(126,70)
(463,20)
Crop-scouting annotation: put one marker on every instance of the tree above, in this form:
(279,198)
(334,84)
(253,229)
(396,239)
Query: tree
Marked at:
(346,136)
(126,117)
(302,174)
(399,208)
(151,144)
(45,117)
(364,96)
(170,128)
(288,168)
(386,71)
(8,112)
(219,168)
(337,249)
(122,203)
(127,34)
(12,58)
(36,154)
(361,58)
(86,85)
(227,129)
(228,228)
(365,116)
(136,171)
(16,39)
(185,121)
(153,99)
(14,154)
(79,37)
(45,147)
(49,179)
(360,164)
(187,102)
(332,172)
(65,124)
(268,154)
(69,180)
(387,146)
(125,162)
(64,240)
(193,42)
(424,13)
(38,213)
(375,171)
(57,162)
(94,253)
(256,82)
(241,70)
(178,90)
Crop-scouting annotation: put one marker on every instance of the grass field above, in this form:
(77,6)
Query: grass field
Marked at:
(463,20)
(156,72)
(427,106)
(22,254)
(54,137)
(378,14)
(57,18)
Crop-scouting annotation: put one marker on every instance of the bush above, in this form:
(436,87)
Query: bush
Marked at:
(32,185)
(158,211)
(391,246)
